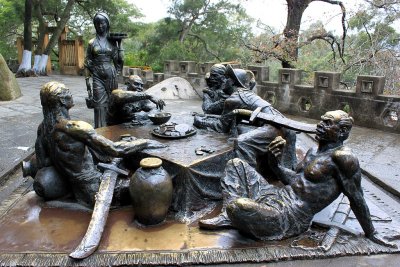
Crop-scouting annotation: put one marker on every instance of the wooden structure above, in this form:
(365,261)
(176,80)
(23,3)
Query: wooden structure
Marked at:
(71,53)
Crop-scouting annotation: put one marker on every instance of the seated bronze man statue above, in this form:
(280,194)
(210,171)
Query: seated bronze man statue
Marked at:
(132,104)
(214,96)
(64,145)
(269,212)
(237,95)
(252,142)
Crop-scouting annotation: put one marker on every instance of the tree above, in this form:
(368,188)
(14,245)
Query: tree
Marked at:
(372,47)
(26,63)
(60,24)
(215,34)
(41,29)
(375,48)
(285,46)
(77,13)
(196,12)
(211,25)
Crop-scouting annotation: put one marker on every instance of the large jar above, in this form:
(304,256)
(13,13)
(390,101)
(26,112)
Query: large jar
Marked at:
(151,192)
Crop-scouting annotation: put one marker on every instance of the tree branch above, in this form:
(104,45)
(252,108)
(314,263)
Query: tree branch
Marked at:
(344,28)
(329,38)
(82,5)
(205,46)
(264,53)
(366,30)
(384,4)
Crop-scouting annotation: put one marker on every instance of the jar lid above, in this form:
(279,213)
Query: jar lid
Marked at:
(150,163)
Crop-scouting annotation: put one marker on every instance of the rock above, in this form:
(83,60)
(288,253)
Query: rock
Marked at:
(9,88)
(173,88)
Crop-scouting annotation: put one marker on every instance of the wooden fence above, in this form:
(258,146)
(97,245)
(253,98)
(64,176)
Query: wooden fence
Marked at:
(71,56)
(71,53)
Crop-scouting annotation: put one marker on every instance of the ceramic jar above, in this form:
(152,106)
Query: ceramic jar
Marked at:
(151,192)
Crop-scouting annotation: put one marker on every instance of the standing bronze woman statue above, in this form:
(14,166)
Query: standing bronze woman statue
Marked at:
(104,58)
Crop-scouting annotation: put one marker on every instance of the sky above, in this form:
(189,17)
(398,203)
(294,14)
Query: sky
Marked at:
(269,12)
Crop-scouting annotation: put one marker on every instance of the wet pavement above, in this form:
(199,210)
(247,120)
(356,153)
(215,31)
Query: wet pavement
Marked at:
(377,151)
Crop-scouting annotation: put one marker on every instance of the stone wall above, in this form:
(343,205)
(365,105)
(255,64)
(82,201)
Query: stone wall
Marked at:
(366,104)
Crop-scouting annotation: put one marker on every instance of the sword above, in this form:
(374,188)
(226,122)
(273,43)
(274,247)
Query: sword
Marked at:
(277,120)
(336,224)
(91,240)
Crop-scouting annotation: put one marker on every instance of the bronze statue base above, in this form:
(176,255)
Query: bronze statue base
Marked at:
(36,233)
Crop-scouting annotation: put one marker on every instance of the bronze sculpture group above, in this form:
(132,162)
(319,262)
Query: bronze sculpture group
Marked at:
(263,150)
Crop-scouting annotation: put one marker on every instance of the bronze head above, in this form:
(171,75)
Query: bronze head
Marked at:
(101,22)
(54,94)
(240,77)
(216,76)
(334,126)
(135,83)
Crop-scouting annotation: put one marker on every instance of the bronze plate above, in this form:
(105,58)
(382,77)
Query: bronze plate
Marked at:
(173,130)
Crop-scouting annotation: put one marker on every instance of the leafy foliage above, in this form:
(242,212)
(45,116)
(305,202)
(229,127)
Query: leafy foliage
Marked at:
(11,21)
(374,47)
(196,30)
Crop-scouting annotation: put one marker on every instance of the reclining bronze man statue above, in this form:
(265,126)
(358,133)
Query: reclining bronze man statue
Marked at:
(270,212)
(132,104)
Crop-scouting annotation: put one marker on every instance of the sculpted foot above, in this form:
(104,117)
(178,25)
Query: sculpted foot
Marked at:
(219,222)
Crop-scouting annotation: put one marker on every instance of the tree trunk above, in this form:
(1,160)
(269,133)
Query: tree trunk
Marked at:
(41,35)
(291,32)
(28,25)
(55,35)
(183,33)
(186,28)
(26,63)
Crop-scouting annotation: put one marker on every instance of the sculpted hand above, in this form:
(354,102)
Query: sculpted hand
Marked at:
(276,146)
(377,238)
(209,92)
(125,147)
(88,86)
(242,112)
(160,104)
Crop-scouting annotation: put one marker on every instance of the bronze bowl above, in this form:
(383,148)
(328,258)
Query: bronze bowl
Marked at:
(160,118)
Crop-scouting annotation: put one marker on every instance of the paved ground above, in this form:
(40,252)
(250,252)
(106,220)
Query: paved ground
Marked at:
(378,151)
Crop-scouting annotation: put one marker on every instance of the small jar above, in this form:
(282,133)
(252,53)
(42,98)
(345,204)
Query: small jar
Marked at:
(49,184)
(151,192)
